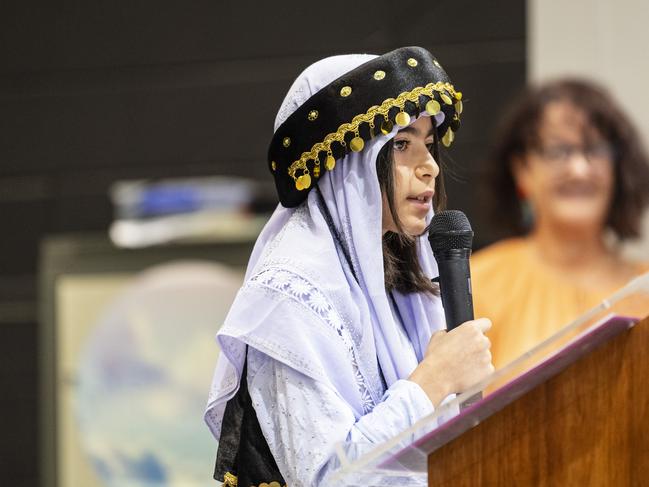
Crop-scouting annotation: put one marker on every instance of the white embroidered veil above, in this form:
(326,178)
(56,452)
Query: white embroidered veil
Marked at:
(301,304)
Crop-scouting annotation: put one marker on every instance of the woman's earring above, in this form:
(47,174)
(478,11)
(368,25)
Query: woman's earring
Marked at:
(527,212)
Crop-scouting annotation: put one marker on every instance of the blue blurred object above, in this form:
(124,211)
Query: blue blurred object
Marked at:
(191,209)
(142,199)
(164,200)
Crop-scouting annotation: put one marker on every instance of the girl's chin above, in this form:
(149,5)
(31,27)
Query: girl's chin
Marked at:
(415,228)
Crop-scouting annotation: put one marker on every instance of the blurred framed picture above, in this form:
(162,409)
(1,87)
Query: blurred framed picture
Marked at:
(127,354)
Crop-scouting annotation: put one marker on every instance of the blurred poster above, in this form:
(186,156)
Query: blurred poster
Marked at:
(135,356)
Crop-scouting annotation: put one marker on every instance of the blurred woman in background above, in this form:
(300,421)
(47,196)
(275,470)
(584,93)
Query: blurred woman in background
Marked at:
(568,172)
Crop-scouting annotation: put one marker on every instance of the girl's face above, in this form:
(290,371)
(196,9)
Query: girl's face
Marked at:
(568,178)
(415,171)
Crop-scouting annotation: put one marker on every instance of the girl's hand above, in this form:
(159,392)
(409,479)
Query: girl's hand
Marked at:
(455,360)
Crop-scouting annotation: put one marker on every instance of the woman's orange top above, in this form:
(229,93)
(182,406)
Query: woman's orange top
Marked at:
(528,301)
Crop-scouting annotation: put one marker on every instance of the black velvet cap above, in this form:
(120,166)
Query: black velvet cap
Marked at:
(352,109)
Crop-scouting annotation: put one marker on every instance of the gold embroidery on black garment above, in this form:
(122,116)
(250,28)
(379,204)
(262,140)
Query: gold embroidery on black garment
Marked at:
(230,480)
(299,169)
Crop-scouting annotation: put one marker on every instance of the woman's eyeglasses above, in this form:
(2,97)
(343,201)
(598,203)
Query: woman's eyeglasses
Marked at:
(560,155)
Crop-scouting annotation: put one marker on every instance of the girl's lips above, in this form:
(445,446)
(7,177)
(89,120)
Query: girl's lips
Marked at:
(426,195)
(419,204)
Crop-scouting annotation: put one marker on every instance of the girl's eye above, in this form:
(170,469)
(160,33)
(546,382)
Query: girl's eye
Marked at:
(401,145)
(430,146)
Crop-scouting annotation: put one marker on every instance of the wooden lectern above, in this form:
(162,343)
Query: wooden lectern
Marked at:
(588,425)
(573,410)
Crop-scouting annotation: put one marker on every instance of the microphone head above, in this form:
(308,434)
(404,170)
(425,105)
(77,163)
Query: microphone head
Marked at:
(450,229)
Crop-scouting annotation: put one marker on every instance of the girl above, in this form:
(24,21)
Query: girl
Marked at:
(337,334)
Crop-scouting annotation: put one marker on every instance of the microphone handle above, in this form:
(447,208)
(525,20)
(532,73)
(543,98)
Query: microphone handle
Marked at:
(455,286)
(457,296)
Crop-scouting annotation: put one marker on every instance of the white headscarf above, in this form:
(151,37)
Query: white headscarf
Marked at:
(301,304)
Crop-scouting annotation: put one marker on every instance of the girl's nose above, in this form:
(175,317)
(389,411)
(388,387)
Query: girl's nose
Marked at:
(429,167)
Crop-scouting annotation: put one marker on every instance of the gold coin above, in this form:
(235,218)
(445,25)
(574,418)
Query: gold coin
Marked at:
(458,95)
(433,107)
(459,107)
(446,98)
(386,127)
(447,140)
(357,144)
(379,75)
(412,62)
(306,180)
(274,484)
(299,184)
(330,163)
(402,119)
(345,91)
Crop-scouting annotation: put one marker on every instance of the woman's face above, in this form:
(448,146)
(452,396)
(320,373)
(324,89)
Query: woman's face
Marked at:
(568,178)
(415,171)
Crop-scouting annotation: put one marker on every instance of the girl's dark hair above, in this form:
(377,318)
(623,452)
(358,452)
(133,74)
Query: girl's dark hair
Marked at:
(401,266)
(518,133)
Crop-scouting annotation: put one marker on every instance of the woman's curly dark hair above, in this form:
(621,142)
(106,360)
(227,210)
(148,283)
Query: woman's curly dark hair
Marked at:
(518,133)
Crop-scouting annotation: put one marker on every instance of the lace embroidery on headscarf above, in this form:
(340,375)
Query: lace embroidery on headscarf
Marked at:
(306,294)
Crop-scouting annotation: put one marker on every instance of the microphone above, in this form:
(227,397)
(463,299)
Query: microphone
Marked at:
(450,237)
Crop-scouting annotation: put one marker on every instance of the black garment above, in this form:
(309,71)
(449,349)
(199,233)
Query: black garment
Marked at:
(243,450)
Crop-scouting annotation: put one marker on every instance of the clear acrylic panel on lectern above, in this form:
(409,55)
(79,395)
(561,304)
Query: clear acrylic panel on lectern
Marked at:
(403,460)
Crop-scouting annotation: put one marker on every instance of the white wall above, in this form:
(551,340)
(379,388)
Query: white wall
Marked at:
(606,40)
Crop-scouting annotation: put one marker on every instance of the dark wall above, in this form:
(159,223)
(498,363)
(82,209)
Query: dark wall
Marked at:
(93,92)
